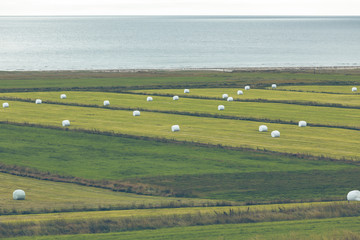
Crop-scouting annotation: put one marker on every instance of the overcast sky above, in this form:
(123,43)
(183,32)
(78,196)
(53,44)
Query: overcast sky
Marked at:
(179,7)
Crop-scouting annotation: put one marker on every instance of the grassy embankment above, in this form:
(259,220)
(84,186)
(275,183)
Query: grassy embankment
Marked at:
(338,90)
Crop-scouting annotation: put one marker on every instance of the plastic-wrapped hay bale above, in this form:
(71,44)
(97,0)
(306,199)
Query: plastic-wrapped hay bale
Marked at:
(19,194)
(263,128)
(106,103)
(149,99)
(302,124)
(66,123)
(221,107)
(175,98)
(275,134)
(136,113)
(175,128)
(353,195)
(38,101)
(273,86)
(239,92)
(186,90)
(247,87)
(225,96)
(354,89)
(229,99)
(5,105)
(63,96)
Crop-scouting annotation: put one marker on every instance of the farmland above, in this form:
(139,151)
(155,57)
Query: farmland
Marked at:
(110,171)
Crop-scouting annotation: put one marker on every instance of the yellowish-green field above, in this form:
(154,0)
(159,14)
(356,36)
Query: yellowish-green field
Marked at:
(250,110)
(323,89)
(269,94)
(310,140)
(49,196)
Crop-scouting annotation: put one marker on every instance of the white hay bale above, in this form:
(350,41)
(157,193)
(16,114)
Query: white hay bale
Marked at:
(175,98)
(221,107)
(229,99)
(302,124)
(273,86)
(354,89)
(63,96)
(106,103)
(225,96)
(175,128)
(275,134)
(5,105)
(136,113)
(239,92)
(186,90)
(353,195)
(247,87)
(38,101)
(66,123)
(19,194)
(263,128)
(149,99)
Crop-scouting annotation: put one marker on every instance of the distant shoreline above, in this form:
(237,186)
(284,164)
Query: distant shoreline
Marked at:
(200,69)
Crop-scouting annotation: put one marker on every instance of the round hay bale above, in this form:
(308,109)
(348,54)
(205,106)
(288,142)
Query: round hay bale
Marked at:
(19,194)
(65,123)
(302,124)
(354,89)
(175,128)
(63,96)
(221,107)
(225,96)
(136,113)
(247,87)
(263,128)
(229,99)
(186,90)
(239,92)
(175,98)
(38,101)
(353,195)
(5,105)
(149,99)
(273,86)
(275,134)
(106,103)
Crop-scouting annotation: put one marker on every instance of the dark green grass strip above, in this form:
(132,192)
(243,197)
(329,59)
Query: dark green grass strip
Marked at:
(196,114)
(264,187)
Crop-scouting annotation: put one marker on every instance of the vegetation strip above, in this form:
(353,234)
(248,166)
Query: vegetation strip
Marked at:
(232,215)
(294,102)
(196,114)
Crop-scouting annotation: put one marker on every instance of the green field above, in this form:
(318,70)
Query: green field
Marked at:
(275,112)
(118,176)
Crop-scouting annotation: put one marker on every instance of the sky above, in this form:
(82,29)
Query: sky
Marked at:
(179,7)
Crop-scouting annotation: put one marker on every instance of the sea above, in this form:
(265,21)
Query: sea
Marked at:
(177,42)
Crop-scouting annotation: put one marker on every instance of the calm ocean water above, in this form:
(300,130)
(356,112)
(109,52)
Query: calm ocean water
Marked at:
(70,43)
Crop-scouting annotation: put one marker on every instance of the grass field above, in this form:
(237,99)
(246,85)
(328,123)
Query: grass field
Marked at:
(324,229)
(248,110)
(323,89)
(198,176)
(307,98)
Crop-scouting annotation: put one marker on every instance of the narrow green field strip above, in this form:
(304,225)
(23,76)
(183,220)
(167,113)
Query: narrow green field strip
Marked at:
(48,196)
(332,228)
(155,212)
(329,142)
(267,112)
(339,90)
(290,97)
